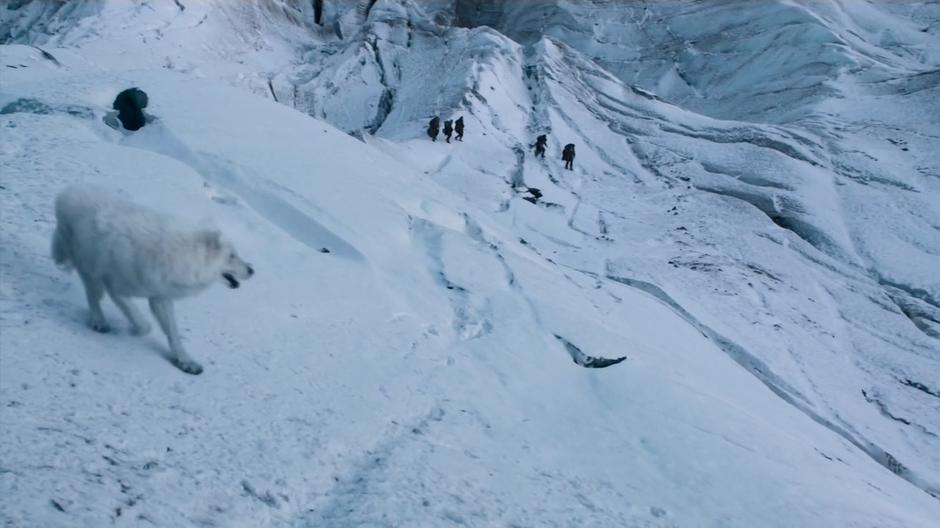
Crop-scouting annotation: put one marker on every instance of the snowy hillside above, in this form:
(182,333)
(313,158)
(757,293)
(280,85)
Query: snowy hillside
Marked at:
(752,220)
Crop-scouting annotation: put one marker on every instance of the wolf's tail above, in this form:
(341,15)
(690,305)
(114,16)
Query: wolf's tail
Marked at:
(60,248)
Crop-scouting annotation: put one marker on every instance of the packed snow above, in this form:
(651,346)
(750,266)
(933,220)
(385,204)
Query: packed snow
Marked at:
(751,221)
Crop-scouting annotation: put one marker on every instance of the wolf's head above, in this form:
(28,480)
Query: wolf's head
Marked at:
(232,269)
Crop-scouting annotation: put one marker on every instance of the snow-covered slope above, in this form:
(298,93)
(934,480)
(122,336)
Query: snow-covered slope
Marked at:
(822,233)
(772,280)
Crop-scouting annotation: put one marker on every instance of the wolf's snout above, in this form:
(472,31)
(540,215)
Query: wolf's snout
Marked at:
(251,271)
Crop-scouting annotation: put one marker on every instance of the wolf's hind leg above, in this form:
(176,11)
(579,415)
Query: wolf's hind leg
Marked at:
(94,290)
(162,309)
(140,326)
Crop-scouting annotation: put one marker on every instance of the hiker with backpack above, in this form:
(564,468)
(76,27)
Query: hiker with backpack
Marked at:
(448,129)
(540,144)
(568,156)
(434,127)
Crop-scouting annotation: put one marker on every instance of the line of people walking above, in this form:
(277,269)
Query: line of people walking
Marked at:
(541,142)
(450,126)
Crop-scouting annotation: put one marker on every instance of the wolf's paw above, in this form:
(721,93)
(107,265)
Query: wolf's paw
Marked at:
(100,327)
(188,366)
(141,330)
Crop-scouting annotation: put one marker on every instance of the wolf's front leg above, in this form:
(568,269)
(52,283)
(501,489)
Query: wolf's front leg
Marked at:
(162,309)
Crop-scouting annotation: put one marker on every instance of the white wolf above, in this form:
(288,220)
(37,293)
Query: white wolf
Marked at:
(131,251)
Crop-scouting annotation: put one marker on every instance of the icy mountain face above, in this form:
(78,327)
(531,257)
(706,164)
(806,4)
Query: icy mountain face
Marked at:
(751,60)
(765,170)
(821,232)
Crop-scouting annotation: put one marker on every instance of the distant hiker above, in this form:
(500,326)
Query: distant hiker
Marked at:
(434,127)
(448,129)
(458,126)
(540,143)
(568,156)
(130,105)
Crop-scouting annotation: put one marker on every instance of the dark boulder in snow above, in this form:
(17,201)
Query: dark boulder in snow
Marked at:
(130,105)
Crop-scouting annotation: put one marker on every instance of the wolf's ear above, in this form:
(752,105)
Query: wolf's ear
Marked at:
(211,239)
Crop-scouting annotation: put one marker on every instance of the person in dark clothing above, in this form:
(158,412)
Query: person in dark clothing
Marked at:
(434,127)
(568,156)
(448,129)
(540,143)
(130,105)
(458,127)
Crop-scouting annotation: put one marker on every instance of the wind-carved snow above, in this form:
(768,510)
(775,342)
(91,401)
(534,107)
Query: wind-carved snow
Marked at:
(471,316)
(801,239)
(303,227)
